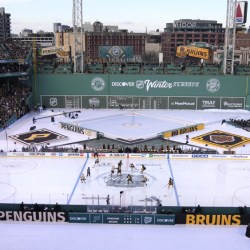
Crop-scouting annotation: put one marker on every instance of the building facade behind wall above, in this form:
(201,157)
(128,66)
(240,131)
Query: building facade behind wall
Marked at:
(5,25)
(187,31)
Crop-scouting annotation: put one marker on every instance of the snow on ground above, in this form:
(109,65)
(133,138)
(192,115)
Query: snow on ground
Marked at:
(68,236)
(129,124)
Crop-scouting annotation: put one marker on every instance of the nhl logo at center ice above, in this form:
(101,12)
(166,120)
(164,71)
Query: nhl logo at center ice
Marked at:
(213,85)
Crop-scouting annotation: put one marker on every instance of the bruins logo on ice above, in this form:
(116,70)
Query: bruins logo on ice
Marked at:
(221,139)
(37,137)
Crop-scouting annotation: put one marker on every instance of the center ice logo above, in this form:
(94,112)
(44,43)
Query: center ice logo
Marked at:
(122,181)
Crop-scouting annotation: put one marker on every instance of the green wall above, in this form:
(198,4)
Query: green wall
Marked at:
(71,88)
(141,85)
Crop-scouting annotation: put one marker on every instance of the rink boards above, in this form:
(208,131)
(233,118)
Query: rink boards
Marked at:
(128,155)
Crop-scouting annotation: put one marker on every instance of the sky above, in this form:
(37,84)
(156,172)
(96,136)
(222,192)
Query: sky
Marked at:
(136,16)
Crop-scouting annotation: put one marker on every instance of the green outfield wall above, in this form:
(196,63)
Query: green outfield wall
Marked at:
(142,91)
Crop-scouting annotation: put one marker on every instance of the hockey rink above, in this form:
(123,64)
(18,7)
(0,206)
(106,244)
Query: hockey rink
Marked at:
(50,180)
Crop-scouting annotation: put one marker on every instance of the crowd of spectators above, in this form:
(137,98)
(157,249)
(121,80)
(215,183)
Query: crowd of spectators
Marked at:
(12,100)
(13,68)
(116,149)
(13,50)
(245,124)
(39,207)
(10,50)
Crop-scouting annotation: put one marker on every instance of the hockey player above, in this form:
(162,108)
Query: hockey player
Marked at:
(132,166)
(170,182)
(158,203)
(129,178)
(119,169)
(144,180)
(97,162)
(83,178)
(108,200)
(142,168)
(112,170)
(88,172)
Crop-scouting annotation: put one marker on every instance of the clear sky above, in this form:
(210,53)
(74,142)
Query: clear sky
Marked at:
(134,15)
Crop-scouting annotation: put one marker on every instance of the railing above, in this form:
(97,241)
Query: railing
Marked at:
(98,202)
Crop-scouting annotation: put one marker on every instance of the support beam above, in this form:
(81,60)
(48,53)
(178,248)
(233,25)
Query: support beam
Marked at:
(78,36)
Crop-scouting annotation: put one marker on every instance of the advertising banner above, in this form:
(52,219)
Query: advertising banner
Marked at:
(96,218)
(183,51)
(33,216)
(78,218)
(183,130)
(78,129)
(208,103)
(116,52)
(182,102)
(140,85)
(232,103)
(165,219)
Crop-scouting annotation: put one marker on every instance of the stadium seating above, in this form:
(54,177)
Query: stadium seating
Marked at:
(132,69)
(45,68)
(152,69)
(242,70)
(95,68)
(211,70)
(174,69)
(64,69)
(113,68)
(193,70)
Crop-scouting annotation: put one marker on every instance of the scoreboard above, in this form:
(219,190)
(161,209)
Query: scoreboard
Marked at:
(138,102)
(142,102)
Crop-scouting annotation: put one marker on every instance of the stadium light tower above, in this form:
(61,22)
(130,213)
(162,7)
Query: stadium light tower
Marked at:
(78,36)
(229,45)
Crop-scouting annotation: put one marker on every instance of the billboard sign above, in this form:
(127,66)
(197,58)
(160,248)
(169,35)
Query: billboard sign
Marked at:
(182,51)
(78,218)
(241,12)
(182,102)
(208,103)
(232,103)
(59,51)
(107,52)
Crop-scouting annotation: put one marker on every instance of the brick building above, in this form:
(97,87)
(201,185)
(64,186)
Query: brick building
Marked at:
(187,31)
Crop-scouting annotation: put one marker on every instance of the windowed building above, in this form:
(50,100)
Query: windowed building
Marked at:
(187,31)
(5,25)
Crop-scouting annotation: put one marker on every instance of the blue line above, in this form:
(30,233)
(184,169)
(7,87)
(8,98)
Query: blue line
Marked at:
(74,189)
(172,175)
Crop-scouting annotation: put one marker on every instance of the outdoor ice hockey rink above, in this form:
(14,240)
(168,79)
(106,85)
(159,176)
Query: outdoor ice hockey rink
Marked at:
(50,180)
